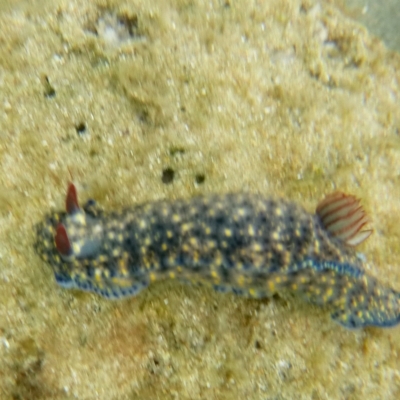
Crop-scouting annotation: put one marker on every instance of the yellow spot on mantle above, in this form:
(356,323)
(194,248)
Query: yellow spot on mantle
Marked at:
(228,232)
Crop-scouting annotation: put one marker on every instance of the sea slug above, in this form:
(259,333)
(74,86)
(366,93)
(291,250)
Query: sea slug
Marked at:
(245,243)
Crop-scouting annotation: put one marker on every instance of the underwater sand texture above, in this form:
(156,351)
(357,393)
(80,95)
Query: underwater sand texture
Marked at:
(137,101)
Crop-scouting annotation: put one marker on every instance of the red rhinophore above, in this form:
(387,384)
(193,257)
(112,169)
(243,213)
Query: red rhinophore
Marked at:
(343,217)
(71,202)
(63,244)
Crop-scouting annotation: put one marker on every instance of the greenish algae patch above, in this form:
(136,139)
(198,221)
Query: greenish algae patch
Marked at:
(278,97)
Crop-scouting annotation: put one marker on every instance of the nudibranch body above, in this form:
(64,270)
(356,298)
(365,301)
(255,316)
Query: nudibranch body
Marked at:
(244,243)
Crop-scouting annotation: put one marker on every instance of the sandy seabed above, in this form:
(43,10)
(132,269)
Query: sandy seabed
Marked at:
(137,101)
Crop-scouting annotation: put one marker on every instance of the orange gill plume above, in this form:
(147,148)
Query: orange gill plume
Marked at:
(344,218)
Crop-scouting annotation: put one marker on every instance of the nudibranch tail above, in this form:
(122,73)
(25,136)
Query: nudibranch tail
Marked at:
(370,304)
(355,299)
(344,218)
